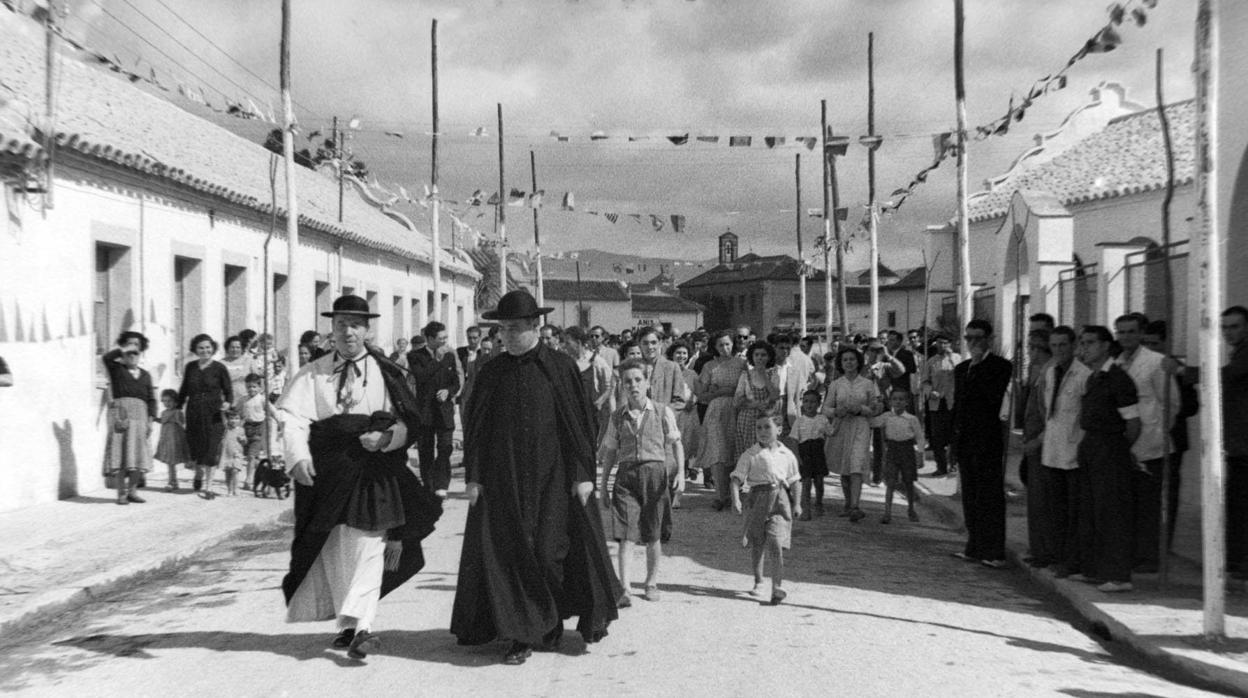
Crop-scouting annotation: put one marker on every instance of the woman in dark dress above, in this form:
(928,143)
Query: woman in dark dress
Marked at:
(128,454)
(205,392)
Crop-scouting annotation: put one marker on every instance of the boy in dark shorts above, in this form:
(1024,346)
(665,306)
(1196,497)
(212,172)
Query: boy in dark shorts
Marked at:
(638,437)
(903,452)
(808,431)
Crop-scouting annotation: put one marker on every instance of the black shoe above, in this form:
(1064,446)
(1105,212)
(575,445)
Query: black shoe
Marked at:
(624,601)
(135,498)
(344,638)
(363,643)
(551,640)
(517,654)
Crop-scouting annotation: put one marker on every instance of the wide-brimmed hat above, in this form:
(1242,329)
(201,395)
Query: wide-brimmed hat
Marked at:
(351,305)
(516,305)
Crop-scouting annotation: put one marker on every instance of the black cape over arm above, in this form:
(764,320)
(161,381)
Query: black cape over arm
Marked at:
(517,579)
(367,490)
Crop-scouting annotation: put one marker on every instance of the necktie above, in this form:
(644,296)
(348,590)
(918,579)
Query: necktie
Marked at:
(1058,371)
(347,372)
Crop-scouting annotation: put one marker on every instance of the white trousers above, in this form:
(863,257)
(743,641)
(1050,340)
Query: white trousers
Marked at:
(345,580)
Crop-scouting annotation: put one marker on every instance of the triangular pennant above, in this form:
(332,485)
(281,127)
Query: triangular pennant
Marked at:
(568,203)
(613,217)
(495,199)
(678,140)
(678,223)
(773,141)
(740,141)
(515,198)
(837,145)
(597,136)
(535,199)
(809,141)
(871,142)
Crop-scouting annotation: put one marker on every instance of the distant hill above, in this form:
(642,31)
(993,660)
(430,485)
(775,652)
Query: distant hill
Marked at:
(596,264)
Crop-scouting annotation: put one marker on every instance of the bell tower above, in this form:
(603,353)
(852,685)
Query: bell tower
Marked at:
(728,247)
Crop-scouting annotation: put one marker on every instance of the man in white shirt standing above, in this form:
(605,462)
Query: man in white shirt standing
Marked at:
(1056,489)
(1146,367)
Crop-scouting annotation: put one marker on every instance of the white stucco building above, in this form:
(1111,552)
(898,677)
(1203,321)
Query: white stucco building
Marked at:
(156,220)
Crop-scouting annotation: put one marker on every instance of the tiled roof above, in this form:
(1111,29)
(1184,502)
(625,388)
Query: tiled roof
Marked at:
(1126,157)
(570,290)
(665,304)
(105,118)
(751,267)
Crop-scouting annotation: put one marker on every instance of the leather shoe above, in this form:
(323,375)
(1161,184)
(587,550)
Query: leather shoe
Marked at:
(344,638)
(551,640)
(363,643)
(517,654)
(135,498)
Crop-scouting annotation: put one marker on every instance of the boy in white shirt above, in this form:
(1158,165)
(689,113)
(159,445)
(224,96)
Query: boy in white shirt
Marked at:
(903,452)
(808,430)
(768,471)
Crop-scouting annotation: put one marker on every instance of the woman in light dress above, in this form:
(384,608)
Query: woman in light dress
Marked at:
(850,403)
(717,384)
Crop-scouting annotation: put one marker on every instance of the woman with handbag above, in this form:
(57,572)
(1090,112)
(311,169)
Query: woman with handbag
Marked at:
(128,454)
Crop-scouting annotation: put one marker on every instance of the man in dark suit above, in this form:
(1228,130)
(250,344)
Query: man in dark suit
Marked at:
(979,385)
(435,380)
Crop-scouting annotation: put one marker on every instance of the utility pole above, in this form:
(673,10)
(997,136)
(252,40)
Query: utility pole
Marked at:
(435,252)
(829,156)
(801,259)
(537,240)
(292,202)
(49,138)
(966,294)
(502,213)
(336,136)
(827,226)
(875,239)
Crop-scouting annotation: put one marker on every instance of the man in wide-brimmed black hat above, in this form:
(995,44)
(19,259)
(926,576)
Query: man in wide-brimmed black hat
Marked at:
(534,551)
(359,514)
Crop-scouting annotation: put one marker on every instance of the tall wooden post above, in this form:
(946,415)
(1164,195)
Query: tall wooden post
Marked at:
(435,251)
(966,303)
(49,139)
(1212,276)
(801,257)
(1168,286)
(842,306)
(336,135)
(502,213)
(875,241)
(292,201)
(827,225)
(537,240)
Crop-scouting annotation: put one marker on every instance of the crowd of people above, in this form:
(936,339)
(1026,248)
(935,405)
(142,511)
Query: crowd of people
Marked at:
(557,422)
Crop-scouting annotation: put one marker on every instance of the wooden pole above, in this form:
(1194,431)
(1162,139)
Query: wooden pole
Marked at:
(342,163)
(841,302)
(965,291)
(537,240)
(1212,275)
(435,251)
(827,225)
(580,303)
(502,213)
(49,138)
(801,259)
(1163,561)
(292,201)
(875,239)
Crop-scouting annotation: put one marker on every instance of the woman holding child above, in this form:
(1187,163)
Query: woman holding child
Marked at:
(850,403)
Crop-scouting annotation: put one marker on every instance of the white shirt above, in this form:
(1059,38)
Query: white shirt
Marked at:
(1150,376)
(1061,425)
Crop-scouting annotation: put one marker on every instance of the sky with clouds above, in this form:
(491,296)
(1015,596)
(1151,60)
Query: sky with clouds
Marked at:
(655,68)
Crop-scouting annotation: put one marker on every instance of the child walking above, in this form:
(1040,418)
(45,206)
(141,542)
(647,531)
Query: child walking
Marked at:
(768,470)
(256,410)
(172,449)
(638,437)
(808,431)
(233,454)
(903,452)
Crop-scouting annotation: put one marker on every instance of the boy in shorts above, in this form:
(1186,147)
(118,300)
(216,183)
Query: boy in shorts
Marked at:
(638,436)
(903,452)
(768,472)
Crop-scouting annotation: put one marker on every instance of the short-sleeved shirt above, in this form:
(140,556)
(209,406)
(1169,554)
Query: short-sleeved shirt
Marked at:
(900,427)
(773,465)
(810,428)
(1109,400)
(253,408)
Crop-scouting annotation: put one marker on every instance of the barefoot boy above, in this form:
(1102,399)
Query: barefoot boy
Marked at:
(637,437)
(768,471)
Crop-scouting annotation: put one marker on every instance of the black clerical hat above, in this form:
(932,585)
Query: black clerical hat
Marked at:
(516,305)
(351,305)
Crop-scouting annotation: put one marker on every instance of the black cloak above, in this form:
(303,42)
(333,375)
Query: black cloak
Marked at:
(532,555)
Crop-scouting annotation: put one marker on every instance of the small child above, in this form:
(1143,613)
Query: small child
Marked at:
(233,454)
(809,429)
(639,435)
(903,452)
(172,449)
(277,382)
(768,470)
(256,409)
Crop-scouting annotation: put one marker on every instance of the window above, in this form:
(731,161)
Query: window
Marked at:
(446,310)
(459,318)
(396,310)
(234,299)
(428,306)
(754,301)
(371,298)
(112,297)
(583,313)
(281,309)
(324,303)
(730,303)
(188,303)
(892,318)
(418,320)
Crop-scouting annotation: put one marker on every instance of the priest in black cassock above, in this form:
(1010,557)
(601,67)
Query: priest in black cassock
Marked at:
(534,551)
